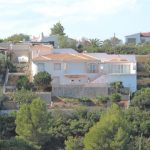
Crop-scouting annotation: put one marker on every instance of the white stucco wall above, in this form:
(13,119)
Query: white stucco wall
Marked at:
(67,68)
(80,68)
(136,36)
(129,81)
(145,39)
(34,68)
(133,68)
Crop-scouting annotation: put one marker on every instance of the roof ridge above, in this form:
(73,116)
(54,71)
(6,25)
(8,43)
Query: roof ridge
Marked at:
(46,58)
(78,55)
(91,56)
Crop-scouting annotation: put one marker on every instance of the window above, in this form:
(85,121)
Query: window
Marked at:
(131,40)
(93,68)
(41,67)
(118,68)
(57,66)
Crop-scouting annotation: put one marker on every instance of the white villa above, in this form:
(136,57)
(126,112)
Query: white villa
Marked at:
(77,74)
(137,38)
(87,68)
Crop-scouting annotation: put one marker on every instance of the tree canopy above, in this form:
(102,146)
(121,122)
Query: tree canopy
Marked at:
(142,99)
(15,144)
(73,144)
(18,38)
(31,121)
(111,132)
(23,96)
(57,29)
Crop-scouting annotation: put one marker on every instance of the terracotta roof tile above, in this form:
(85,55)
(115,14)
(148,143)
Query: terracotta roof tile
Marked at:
(145,34)
(40,50)
(42,47)
(65,57)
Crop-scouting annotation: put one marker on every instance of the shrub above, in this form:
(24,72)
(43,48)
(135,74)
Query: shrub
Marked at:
(43,81)
(116,97)
(23,82)
(74,143)
(86,101)
(11,67)
(102,99)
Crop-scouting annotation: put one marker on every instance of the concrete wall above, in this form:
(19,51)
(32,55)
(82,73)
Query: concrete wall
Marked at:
(77,91)
(46,96)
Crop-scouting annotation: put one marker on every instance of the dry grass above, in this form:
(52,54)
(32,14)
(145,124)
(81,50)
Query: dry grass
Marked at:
(143,58)
(12,80)
(143,81)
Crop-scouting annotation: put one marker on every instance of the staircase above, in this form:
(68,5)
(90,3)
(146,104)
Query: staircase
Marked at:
(101,79)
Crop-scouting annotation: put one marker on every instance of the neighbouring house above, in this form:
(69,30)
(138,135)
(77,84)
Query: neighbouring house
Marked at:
(40,50)
(48,40)
(5,45)
(82,70)
(21,52)
(64,51)
(137,38)
(53,40)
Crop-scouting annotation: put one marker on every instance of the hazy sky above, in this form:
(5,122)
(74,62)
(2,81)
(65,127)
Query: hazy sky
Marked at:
(80,18)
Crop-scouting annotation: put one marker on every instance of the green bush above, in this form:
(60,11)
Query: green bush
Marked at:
(116,97)
(85,101)
(15,144)
(74,143)
(23,82)
(43,81)
(11,67)
(102,99)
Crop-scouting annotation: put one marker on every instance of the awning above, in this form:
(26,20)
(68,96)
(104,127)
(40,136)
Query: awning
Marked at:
(75,75)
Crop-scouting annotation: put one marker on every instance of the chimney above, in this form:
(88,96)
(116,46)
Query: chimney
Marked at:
(41,36)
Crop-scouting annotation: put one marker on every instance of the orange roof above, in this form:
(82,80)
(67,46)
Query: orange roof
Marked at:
(42,47)
(145,34)
(40,50)
(117,59)
(40,58)
(65,57)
